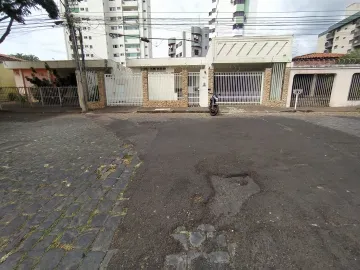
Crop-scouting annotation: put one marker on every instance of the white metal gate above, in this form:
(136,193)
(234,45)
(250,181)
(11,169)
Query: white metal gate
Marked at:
(239,87)
(124,89)
(193,89)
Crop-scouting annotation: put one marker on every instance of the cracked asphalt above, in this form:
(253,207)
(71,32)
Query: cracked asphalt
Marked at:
(170,191)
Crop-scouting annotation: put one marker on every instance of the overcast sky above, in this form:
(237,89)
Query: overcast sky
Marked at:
(49,44)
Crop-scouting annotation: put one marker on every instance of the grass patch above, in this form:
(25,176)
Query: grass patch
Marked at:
(127,159)
(124,212)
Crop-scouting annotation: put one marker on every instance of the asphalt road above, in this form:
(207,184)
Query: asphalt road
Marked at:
(276,192)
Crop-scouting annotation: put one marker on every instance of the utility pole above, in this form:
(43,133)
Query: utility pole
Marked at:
(82,65)
(81,79)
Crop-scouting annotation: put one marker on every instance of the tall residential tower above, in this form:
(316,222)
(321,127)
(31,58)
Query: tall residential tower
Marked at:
(99,18)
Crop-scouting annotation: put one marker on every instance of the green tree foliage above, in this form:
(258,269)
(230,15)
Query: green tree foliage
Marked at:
(27,57)
(16,10)
(352,57)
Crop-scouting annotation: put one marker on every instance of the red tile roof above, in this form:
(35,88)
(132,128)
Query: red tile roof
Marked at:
(4,57)
(319,56)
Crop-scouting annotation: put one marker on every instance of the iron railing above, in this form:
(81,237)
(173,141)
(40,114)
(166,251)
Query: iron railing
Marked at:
(40,96)
(193,89)
(354,92)
(317,89)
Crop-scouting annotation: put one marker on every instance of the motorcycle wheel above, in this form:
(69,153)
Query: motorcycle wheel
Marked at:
(214,112)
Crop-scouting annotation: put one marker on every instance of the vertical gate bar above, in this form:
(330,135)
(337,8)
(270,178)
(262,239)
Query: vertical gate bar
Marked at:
(41,96)
(58,88)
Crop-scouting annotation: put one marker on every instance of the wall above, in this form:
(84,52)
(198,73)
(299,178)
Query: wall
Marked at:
(321,44)
(341,40)
(341,86)
(6,77)
(21,74)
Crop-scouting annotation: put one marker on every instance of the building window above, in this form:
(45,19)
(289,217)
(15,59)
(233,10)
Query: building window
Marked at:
(205,47)
(345,28)
(84,28)
(118,8)
(115,46)
(86,46)
(86,9)
(90,37)
(180,54)
(196,52)
(91,46)
(87,55)
(92,55)
(337,38)
(112,9)
(116,55)
(122,63)
(352,32)
(344,37)
(122,54)
(206,35)
(120,26)
(112,19)
(85,37)
(113,27)
(335,47)
(121,45)
(82,9)
(349,50)
(342,46)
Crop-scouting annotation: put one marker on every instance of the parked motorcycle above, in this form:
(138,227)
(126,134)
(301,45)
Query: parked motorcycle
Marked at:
(214,107)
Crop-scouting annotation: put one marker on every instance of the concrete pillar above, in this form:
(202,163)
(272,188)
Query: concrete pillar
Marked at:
(285,86)
(210,83)
(313,85)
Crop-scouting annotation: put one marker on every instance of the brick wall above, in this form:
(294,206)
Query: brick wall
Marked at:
(165,103)
(210,83)
(267,88)
(102,93)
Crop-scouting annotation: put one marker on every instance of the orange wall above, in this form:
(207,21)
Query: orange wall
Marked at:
(20,76)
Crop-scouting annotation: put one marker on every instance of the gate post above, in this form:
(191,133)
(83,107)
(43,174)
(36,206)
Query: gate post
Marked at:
(210,83)
(265,98)
(184,86)
(145,87)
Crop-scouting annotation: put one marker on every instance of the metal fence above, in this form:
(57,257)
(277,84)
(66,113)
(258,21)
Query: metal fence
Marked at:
(238,87)
(124,89)
(277,78)
(316,88)
(193,89)
(93,88)
(354,92)
(165,86)
(39,96)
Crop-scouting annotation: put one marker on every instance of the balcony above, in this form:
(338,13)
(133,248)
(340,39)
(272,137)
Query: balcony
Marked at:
(356,42)
(129,3)
(328,44)
(327,51)
(130,13)
(357,33)
(131,32)
(212,21)
(132,40)
(172,51)
(330,36)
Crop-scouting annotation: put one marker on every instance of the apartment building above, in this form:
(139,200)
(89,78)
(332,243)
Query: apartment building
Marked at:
(228,17)
(98,18)
(344,36)
(193,44)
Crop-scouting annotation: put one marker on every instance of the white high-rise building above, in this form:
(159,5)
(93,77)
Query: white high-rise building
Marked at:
(99,18)
(228,17)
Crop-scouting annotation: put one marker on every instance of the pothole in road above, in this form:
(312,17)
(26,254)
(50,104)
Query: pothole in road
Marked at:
(230,193)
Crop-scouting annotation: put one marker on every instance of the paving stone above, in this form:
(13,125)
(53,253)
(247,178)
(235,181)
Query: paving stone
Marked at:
(72,209)
(72,260)
(35,220)
(32,208)
(13,226)
(65,203)
(176,261)
(62,225)
(107,259)
(105,206)
(31,260)
(90,206)
(50,259)
(112,223)
(86,239)
(69,236)
(51,205)
(92,260)
(95,193)
(102,241)
(118,172)
(45,243)
(206,228)
(221,240)
(99,220)
(83,197)
(28,243)
(122,183)
(109,182)
(118,207)
(8,217)
(113,194)
(197,238)
(80,220)
(16,239)
(11,261)
(219,257)
(183,239)
(49,221)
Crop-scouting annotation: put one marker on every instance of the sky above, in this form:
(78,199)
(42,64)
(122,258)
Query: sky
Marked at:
(49,44)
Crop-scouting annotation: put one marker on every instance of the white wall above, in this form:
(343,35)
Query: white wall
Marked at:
(321,44)
(341,86)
